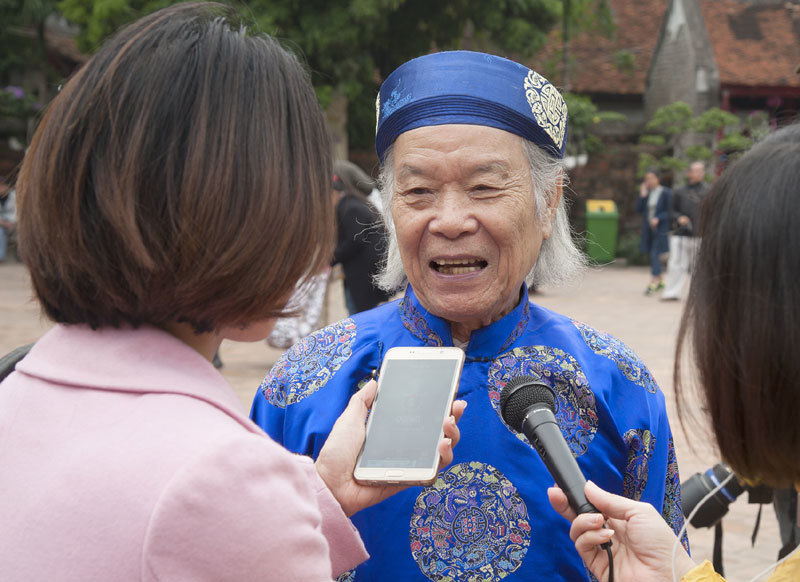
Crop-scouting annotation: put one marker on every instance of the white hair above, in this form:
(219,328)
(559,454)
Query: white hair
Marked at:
(560,261)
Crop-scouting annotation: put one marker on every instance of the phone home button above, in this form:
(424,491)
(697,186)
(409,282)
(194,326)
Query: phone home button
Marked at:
(394,473)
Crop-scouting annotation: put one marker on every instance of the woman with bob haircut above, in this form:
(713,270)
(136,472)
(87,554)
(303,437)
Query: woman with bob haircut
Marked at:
(175,192)
(742,321)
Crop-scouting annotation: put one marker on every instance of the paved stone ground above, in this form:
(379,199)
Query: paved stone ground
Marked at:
(609,299)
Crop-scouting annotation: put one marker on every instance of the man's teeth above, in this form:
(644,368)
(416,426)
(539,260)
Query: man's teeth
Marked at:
(458,266)
(456,262)
(458,270)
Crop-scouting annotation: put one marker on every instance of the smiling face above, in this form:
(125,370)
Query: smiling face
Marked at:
(464,212)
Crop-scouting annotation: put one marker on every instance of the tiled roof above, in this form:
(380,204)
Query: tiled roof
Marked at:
(637,26)
(755,44)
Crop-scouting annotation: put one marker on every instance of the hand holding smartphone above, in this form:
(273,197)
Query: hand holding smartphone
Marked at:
(416,389)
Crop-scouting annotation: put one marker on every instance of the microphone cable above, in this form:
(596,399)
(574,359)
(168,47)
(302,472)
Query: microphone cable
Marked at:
(688,520)
(610,564)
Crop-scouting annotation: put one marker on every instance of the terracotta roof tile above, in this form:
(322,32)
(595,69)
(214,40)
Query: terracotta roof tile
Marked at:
(594,71)
(754,44)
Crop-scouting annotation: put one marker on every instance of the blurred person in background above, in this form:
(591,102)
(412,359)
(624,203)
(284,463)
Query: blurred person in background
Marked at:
(684,238)
(353,175)
(361,239)
(653,205)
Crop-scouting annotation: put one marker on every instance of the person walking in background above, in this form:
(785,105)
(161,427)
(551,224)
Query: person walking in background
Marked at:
(683,241)
(8,216)
(358,178)
(653,205)
(360,240)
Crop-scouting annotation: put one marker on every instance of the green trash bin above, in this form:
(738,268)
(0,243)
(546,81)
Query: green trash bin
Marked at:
(602,218)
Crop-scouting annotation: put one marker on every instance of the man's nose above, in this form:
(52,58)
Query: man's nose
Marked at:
(455,216)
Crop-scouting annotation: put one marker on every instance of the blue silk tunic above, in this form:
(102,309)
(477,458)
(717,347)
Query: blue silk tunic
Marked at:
(487,516)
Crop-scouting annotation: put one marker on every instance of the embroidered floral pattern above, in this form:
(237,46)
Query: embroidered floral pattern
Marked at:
(576,411)
(348,576)
(523,323)
(308,365)
(641,443)
(471,525)
(415,322)
(671,511)
(393,103)
(626,360)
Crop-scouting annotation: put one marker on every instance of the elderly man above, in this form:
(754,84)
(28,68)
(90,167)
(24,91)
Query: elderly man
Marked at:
(471,147)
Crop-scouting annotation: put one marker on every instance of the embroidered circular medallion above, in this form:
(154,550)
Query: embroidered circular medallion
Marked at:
(641,444)
(308,365)
(626,360)
(470,525)
(576,412)
(547,105)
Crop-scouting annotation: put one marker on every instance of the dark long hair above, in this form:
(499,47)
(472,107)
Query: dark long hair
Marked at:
(741,325)
(183,174)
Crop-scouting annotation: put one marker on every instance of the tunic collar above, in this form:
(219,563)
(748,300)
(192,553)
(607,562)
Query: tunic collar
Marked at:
(485,342)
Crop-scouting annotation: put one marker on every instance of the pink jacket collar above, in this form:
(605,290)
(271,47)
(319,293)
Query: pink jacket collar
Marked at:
(143,360)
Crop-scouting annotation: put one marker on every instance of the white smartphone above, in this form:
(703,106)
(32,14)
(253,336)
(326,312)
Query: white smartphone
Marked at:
(416,389)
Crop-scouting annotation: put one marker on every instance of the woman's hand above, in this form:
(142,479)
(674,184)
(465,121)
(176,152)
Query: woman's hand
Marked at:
(642,541)
(643,190)
(337,459)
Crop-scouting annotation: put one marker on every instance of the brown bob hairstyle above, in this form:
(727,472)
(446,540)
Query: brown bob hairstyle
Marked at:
(742,318)
(182,174)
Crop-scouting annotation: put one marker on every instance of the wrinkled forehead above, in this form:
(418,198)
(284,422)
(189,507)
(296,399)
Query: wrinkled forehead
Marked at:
(464,87)
(456,152)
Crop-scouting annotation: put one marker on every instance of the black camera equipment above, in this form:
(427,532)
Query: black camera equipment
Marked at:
(711,512)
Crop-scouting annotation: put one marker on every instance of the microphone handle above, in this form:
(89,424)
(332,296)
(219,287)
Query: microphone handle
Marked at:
(543,432)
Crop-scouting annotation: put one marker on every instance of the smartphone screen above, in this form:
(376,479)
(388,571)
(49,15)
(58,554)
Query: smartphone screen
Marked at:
(414,397)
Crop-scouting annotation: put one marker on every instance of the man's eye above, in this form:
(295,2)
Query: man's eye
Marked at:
(417,191)
(485,189)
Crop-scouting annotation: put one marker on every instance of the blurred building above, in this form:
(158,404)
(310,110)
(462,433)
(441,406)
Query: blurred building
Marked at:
(739,55)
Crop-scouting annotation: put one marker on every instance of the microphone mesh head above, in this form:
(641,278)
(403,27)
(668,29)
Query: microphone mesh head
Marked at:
(519,395)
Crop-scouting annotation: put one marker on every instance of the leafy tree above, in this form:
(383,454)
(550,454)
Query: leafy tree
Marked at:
(583,117)
(719,132)
(581,16)
(350,45)
(22,41)
(22,32)
(23,48)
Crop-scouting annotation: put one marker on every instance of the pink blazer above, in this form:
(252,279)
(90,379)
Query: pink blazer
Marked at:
(124,455)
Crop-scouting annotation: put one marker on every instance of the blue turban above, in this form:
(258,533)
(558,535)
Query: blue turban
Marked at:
(463,87)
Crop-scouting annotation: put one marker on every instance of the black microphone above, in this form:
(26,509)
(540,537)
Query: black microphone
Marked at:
(527,405)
